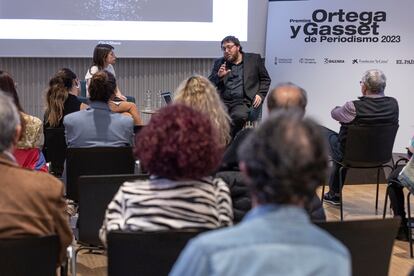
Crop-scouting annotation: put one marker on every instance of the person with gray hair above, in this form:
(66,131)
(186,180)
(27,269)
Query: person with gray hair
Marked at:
(372,108)
(32,202)
(282,177)
(285,96)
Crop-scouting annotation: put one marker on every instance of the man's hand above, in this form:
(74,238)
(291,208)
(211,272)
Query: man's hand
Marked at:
(223,71)
(257,101)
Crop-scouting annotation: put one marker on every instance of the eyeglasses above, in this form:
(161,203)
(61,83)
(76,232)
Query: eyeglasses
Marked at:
(227,47)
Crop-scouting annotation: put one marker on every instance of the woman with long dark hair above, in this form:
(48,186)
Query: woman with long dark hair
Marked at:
(27,153)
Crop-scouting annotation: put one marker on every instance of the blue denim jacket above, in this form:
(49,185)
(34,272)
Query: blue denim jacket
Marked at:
(271,240)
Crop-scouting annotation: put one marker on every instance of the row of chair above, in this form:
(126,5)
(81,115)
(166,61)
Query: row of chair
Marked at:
(370,243)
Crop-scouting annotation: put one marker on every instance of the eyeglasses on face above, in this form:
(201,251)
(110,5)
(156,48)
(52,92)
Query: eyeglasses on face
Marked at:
(227,47)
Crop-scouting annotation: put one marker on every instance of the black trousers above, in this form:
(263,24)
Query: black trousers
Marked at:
(238,110)
(396,194)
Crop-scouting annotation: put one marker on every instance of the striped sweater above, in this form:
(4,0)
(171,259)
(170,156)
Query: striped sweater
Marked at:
(161,204)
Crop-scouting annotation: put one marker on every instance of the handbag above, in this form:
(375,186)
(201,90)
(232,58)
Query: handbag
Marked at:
(406,176)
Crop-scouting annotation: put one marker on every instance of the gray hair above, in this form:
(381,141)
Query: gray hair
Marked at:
(375,81)
(9,120)
(273,104)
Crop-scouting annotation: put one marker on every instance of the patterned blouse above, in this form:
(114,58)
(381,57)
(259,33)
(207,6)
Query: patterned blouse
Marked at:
(161,204)
(33,134)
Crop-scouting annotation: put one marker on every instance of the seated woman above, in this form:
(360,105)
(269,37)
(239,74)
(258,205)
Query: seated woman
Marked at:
(97,125)
(61,100)
(180,149)
(396,195)
(27,153)
(103,59)
(199,93)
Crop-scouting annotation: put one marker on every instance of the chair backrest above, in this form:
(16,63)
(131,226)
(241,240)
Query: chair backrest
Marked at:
(29,256)
(55,148)
(369,146)
(369,242)
(145,253)
(83,88)
(96,161)
(95,193)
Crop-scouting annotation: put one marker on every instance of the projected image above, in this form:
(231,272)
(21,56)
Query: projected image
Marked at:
(114,10)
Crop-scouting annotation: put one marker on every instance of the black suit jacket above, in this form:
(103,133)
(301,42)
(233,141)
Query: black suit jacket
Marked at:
(256,80)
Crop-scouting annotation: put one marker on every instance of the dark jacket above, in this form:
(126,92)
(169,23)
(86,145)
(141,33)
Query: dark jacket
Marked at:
(256,79)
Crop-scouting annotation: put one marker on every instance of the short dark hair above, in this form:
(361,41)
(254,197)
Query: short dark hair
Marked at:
(179,142)
(273,104)
(102,86)
(100,53)
(285,158)
(233,39)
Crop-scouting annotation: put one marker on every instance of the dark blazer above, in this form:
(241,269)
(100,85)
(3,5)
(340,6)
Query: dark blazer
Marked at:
(256,79)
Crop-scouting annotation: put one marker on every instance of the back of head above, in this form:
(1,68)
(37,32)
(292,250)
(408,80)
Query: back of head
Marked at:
(232,39)
(178,143)
(56,95)
(9,121)
(285,159)
(8,86)
(375,81)
(102,86)
(199,93)
(286,96)
(100,53)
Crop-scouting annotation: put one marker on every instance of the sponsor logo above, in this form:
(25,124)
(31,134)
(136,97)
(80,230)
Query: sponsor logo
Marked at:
(404,61)
(369,61)
(283,60)
(328,61)
(307,61)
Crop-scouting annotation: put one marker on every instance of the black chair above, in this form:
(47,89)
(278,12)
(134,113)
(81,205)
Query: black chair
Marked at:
(96,161)
(367,147)
(29,256)
(54,149)
(95,193)
(369,242)
(145,253)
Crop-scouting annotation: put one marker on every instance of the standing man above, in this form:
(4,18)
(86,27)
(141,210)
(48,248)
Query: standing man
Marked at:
(241,80)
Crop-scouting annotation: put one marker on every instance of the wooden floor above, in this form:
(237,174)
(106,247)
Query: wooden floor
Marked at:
(359,203)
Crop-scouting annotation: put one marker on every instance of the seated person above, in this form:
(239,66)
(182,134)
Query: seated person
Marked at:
(285,96)
(276,237)
(28,152)
(179,152)
(199,93)
(98,126)
(371,109)
(396,195)
(32,203)
(61,100)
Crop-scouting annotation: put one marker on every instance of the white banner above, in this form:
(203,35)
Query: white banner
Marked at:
(325,46)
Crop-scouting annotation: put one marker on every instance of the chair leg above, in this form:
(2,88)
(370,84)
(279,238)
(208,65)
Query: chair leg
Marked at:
(376,196)
(385,202)
(341,184)
(409,225)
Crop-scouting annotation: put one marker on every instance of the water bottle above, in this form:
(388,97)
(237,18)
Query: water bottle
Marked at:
(148,100)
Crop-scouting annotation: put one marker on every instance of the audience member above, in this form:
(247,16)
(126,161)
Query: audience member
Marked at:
(103,59)
(200,94)
(179,148)
(372,108)
(61,99)
(241,80)
(98,126)
(28,151)
(276,237)
(284,96)
(397,196)
(31,203)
